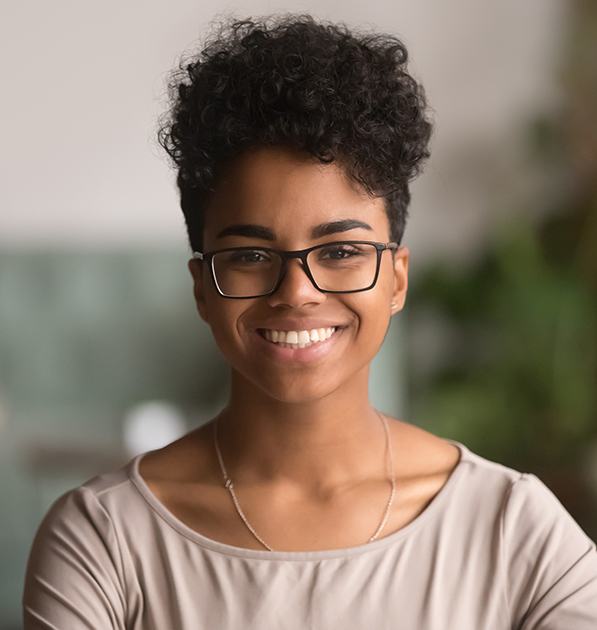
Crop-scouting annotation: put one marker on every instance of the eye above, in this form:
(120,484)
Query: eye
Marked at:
(340,252)
(248,256)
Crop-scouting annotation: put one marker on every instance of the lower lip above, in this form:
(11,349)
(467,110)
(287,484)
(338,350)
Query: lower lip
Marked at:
(299,355)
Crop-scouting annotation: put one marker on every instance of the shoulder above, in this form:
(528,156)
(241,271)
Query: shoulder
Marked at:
(75,566)
(85,519)
(547,563)
(534,517)
(88,501)
(486,490)
(531,499)
(84,516)
(551,563)
(525,505)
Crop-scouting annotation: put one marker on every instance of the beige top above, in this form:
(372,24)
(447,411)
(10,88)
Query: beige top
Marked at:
(494,549)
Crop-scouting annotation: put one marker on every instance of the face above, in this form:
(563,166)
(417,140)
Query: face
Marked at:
(289,194)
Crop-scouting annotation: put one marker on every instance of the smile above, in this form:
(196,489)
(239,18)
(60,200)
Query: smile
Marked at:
(298,338)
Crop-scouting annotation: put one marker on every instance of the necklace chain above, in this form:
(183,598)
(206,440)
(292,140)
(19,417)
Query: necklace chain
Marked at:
(230,486)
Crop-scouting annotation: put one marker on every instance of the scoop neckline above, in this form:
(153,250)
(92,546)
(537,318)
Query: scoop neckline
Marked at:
(194,536)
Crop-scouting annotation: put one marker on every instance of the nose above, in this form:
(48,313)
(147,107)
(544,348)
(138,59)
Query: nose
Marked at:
(296,287)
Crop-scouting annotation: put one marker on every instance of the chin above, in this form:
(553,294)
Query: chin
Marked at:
(298,391)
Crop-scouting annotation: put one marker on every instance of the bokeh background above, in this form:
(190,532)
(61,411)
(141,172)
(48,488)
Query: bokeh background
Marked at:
(102,354)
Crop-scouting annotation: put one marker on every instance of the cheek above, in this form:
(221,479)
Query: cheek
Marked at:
(223,318)
(375,310)
(372,318)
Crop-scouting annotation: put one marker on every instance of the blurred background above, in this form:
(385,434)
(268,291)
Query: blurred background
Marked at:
(102,355)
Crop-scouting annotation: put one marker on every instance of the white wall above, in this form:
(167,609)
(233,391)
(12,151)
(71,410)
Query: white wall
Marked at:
(84,82)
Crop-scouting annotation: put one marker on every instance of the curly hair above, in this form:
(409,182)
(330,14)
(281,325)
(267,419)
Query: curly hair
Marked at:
(289,80)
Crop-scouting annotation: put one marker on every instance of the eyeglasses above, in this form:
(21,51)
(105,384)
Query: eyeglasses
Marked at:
(338,267)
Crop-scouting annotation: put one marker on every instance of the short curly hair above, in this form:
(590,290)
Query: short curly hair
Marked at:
(289,80)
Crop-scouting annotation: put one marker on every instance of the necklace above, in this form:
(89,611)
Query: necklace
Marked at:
(230,486)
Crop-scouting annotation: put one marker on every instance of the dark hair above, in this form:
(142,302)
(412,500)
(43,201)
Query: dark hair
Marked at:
(288,80)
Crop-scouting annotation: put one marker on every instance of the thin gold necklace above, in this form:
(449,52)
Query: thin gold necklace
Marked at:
(230,486)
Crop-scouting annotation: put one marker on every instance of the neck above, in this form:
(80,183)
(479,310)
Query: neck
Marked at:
(332,442)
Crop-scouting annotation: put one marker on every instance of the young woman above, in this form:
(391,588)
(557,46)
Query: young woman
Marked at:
(300,505)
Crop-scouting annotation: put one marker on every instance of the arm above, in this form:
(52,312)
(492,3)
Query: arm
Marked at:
(551,562)
(74,577)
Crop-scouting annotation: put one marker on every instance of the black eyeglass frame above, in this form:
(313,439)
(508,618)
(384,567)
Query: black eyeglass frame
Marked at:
(287,255)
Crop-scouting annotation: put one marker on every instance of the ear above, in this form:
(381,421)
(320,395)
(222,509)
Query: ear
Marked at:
(195,266)
(400,287)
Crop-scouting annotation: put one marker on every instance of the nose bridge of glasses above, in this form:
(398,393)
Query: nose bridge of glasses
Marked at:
(288,260)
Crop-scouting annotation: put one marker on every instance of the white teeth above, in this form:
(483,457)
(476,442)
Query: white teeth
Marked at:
(299,338)
(303,337)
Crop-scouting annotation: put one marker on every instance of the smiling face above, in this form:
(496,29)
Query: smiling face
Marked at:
(291,196)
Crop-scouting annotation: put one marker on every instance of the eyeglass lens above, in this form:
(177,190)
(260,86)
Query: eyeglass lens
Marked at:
(253,271)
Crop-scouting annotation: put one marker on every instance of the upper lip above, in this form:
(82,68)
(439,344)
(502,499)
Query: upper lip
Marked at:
(300,324)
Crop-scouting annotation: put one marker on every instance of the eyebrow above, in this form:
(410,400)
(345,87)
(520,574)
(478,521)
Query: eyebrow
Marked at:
(323,229)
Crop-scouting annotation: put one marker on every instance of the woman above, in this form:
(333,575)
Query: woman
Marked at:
(300,505)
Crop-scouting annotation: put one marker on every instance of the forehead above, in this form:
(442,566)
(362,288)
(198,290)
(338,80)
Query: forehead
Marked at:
(288,191)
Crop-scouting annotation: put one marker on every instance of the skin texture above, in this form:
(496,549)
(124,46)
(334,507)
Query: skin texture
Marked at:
(302,443)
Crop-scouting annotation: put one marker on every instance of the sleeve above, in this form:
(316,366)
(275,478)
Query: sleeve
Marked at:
(74,577)
(551,562)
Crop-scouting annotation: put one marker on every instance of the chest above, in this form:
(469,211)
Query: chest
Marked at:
(411,584)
